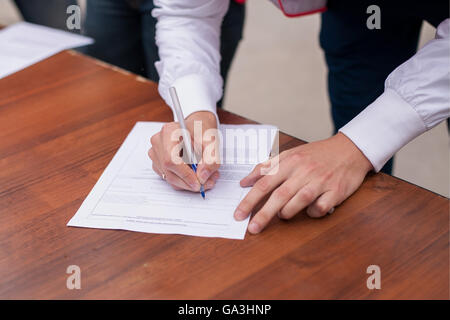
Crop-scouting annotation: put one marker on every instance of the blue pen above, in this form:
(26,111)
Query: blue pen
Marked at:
(202,189)
(185,133)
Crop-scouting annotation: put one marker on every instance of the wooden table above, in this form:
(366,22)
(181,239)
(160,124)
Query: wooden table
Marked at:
(61,122)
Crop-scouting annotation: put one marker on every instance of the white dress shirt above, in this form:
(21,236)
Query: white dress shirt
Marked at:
(416,96)
(188,40)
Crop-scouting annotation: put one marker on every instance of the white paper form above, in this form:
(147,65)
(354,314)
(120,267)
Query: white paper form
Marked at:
(24,44)
(129,195)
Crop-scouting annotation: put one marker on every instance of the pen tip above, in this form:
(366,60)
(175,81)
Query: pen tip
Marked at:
(202,192)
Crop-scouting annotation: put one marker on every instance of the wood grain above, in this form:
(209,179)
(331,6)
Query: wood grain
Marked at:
(63,119)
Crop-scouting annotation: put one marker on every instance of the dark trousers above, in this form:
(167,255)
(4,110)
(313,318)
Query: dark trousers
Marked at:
(50,13)
(124,33)
(360,59)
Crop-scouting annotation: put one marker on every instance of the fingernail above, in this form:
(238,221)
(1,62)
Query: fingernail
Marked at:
(209,184)
(253,227)
(239,215)
(204,175)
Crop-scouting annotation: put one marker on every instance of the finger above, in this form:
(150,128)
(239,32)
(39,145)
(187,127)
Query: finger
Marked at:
(323,204)
(185,173)
(261,188)
(263,169)
(210,161)
(172,161)
(211,181)
(155,148)
(169,145)
(181,185)
(155,161)
(205,171)
(154,139)
(253,176)
(156,169)
(152,155)
(303,198)
(177,183)
(277,200)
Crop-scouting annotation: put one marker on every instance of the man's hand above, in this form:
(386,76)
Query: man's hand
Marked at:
(318,175)
(180,175)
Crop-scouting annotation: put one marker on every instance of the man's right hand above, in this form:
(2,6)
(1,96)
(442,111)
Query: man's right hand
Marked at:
(178,174)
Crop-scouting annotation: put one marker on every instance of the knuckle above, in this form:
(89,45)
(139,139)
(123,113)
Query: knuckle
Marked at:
(167,128)
(296,157)
(306,195)
(325,177)
(311,167)
(260,169)
(168,163)
(321,207)
(263,185)
(154,139)
(282,192)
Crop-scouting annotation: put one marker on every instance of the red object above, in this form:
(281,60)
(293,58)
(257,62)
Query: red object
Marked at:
(290,15)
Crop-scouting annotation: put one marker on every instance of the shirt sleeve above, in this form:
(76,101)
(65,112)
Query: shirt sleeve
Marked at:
(188,40)
(416,98)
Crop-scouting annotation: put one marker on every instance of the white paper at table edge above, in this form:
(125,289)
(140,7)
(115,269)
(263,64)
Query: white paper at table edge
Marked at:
(118,159)
(83,40)
(80,39)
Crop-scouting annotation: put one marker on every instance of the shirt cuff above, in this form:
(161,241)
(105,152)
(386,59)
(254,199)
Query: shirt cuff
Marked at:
(384,127)
(195,95)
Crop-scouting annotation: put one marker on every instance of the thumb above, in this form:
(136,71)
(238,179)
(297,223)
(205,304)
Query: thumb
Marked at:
(205,171)
(210,161)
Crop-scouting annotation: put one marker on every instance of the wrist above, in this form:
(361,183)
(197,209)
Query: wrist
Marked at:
(355,156)
(207,118)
